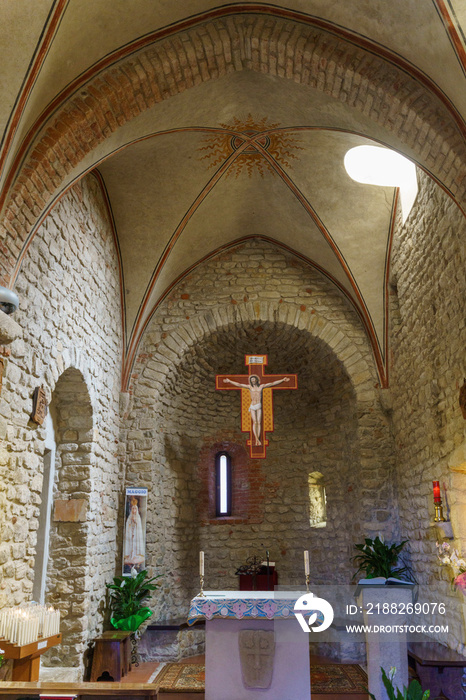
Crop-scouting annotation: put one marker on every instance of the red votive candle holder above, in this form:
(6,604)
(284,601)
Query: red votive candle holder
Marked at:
(437,496)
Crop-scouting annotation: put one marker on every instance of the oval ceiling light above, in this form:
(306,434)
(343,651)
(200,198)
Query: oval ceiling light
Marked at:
(372,165)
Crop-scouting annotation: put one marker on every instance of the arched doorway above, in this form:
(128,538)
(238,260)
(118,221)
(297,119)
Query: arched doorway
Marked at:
(67,582)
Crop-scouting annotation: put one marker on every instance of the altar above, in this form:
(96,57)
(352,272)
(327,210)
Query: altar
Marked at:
(255,646)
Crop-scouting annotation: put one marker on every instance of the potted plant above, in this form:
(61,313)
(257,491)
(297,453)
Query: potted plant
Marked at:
(127,597)
(378,559)
(412,692)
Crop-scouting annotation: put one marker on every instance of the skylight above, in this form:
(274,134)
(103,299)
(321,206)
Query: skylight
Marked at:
(372,165)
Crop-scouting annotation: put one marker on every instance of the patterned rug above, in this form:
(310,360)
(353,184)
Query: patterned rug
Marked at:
(327,679)
(344,679)
(175,678)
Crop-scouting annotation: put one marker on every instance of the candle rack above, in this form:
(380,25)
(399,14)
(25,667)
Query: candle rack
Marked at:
(26,658)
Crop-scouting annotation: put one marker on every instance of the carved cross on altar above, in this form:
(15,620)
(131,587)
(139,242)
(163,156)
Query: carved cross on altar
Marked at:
(256,399)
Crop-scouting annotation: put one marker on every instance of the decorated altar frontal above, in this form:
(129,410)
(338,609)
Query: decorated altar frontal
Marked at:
(255,647)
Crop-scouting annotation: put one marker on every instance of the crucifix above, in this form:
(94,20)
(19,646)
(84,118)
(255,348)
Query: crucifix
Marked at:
(256,399)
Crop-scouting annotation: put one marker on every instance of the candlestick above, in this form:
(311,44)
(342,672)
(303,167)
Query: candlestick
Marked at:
(307,569)
(438,518)
(201,563)
(201,574)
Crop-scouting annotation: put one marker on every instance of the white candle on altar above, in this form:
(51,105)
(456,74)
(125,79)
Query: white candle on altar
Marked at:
(201,563)
(307,569)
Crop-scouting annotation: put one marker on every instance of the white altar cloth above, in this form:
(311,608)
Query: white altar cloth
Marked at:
(229,612)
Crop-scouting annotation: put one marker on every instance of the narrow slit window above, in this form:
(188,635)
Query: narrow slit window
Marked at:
(223,479)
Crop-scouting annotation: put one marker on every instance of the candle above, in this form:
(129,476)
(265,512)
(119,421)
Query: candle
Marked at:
(201,564)
(306,563)
(437,497)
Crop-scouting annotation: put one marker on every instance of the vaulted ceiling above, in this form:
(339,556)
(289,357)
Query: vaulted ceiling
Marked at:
(207,124)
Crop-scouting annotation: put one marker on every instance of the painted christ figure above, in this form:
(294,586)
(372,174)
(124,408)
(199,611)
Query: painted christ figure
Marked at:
(256,388)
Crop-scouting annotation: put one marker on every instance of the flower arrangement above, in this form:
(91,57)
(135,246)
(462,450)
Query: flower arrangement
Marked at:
(450,557)
(412,692)
(379,559)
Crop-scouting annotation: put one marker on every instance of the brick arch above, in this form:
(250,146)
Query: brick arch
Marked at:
(385,89)
(359,365)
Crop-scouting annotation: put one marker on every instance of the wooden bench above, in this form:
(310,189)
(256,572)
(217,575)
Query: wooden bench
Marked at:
(438,669)
(90,691)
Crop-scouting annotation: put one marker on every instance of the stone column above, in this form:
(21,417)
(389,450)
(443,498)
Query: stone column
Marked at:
(385,607)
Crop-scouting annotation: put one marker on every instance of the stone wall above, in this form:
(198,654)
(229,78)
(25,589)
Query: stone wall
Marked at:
(255,298)
(71,319)
(428,365)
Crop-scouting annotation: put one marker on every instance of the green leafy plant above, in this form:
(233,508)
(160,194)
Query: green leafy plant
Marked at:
(412,692)
(379,559)
(127,597)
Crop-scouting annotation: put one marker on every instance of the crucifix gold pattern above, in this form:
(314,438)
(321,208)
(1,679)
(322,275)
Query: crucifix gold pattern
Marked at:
(256,399)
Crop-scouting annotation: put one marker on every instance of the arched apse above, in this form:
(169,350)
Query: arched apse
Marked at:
(333,424)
